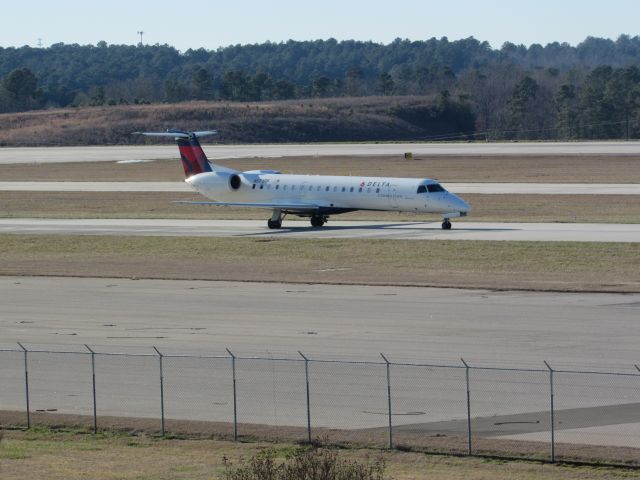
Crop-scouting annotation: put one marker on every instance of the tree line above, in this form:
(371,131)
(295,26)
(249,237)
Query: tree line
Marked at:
(591,90)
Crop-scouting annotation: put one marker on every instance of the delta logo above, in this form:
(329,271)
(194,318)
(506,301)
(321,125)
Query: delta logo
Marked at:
(374,184)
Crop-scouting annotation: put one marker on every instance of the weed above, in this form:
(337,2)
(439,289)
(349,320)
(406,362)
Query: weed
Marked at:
(305,463)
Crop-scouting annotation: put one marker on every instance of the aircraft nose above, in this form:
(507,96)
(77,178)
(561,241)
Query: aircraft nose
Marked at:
(463,206)
(456,204)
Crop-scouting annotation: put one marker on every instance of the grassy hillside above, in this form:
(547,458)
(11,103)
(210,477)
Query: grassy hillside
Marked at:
(319,120)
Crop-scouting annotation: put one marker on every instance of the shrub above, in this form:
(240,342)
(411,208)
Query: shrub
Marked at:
(305,464)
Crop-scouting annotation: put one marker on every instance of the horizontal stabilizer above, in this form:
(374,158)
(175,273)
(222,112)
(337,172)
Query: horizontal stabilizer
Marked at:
(178,134)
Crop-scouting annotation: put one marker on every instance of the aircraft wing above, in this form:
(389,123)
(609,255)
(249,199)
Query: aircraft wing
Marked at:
(297,207)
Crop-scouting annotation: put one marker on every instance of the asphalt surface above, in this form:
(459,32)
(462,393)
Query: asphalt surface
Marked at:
(571,232)
(435,327)
(484,188)
(499,328)
(10,155)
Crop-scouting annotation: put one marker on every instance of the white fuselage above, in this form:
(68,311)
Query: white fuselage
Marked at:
(333,193)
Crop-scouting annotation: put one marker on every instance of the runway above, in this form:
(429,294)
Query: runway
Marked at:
(325,322)
(11,155)
(546,232)
(458,188)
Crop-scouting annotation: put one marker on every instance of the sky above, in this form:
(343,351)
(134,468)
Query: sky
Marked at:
(212,24)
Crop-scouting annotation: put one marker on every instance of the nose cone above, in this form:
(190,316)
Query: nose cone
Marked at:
(462,206)
(456,204)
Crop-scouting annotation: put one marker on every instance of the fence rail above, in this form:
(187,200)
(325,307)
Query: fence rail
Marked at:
(539,413)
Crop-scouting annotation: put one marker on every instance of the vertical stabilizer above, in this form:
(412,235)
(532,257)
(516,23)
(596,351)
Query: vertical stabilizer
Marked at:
(194,160)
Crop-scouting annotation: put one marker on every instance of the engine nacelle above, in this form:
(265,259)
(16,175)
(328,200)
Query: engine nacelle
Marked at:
(216,181)
(235,182)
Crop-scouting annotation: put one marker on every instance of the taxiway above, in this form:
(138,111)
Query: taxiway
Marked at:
(573,232)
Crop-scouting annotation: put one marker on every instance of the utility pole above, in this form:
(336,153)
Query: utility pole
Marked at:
(140,32)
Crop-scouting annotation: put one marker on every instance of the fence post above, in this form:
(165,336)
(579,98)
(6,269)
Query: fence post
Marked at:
(93,385)
(235,402)
(306,376)
(161,392)
(553,427)
(26,383)
(389,399)
(466,367)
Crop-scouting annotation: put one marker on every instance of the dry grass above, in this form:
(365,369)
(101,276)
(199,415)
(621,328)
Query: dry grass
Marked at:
(428,441)
(554,169)
(42,453)
(335,119)
(562,266)
(488,208)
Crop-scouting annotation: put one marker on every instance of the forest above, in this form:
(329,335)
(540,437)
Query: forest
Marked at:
(468,89)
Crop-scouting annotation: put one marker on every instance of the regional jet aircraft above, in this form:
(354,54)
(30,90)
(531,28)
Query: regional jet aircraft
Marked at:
(312,196)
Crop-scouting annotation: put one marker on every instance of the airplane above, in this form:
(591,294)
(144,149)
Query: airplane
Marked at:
(311,196)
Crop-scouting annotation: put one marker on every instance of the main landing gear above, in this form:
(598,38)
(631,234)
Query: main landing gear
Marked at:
(446,224)
(318,220)
(275,221)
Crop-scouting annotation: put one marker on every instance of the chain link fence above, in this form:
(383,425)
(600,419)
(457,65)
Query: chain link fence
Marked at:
(542,414)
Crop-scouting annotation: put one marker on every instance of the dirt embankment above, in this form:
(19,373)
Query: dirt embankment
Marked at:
(309,120)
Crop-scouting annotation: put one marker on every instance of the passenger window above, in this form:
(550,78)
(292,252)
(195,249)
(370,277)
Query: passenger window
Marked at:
(277,187)
(284,188)
(351,189)
(326,189)
(360,189)
(253,187)
(344,189)
(335,189)
(377,190)
(261,187)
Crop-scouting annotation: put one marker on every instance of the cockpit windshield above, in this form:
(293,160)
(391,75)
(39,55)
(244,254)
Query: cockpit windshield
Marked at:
(432,188)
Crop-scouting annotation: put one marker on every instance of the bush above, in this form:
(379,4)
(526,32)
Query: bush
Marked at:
(305,464)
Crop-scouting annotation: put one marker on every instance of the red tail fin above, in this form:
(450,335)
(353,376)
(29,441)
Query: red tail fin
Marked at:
(194,160)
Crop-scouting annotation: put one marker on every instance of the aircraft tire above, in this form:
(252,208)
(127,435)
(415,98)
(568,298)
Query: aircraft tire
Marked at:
(446,225)
(274,224)
(317,221)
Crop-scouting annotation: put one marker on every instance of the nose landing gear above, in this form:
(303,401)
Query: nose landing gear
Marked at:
(274,224)
(446,224)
